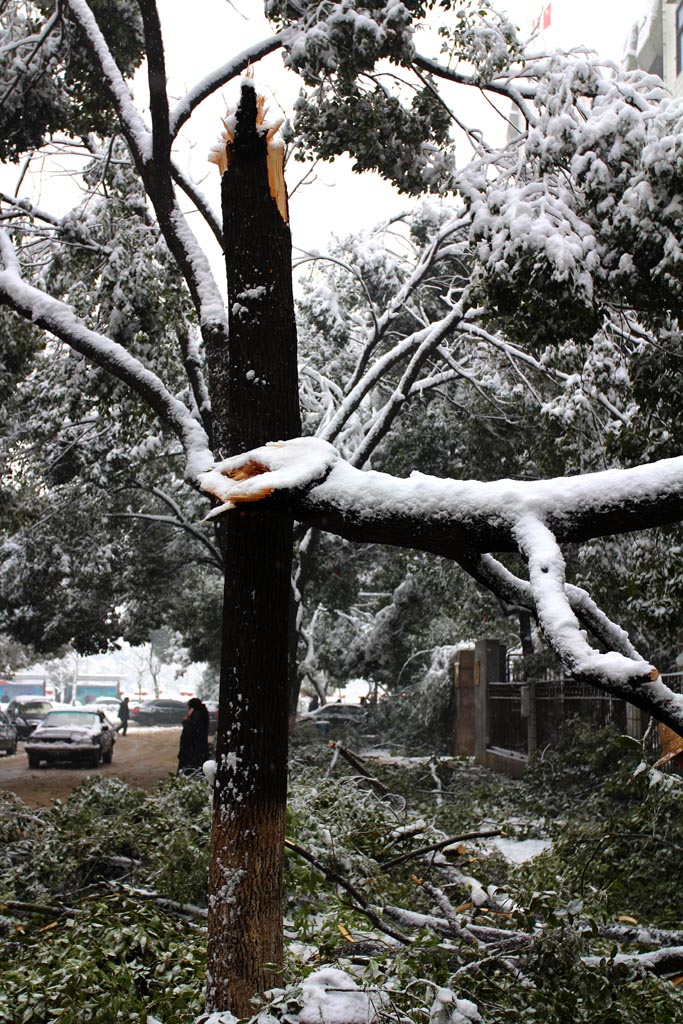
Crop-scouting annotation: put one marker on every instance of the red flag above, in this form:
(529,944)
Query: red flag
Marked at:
(546,17)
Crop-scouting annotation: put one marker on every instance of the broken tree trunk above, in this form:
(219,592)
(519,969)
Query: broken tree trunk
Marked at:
(254,395)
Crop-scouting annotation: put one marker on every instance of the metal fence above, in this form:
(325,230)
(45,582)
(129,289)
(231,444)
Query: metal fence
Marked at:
(524,717)
(507,725)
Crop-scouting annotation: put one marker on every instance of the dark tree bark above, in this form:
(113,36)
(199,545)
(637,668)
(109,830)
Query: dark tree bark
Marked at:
(254,393)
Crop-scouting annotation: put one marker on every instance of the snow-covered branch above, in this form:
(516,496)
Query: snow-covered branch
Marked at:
(458,518)
(178,519)
(137,134)
(59,319)
(556,617)
(480,516)
(200,201)
(382,423)
(226,73)
(519,93)
(156,174)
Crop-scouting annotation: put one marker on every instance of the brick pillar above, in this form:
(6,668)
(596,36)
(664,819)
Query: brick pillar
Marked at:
(489,667)
(463,680)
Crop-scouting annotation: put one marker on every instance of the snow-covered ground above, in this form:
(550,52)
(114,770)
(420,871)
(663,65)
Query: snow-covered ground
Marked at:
(520,850)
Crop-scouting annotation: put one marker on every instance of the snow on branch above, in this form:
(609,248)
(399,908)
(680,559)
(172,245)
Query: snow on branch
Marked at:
(59,319)
(213,81)
(382,422)
(556,618)
(514,591)
(419,346)
(484,516)
(137,134)
(152,157)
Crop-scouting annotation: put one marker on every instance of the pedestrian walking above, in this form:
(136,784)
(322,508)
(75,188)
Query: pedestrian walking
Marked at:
(124,715)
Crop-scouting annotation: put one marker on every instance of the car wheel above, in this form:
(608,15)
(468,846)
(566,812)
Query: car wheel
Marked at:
(33,761)
(94,758)
(13,749)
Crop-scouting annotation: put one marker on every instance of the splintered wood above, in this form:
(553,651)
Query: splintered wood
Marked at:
(672,747)
(245,472)
(275,152)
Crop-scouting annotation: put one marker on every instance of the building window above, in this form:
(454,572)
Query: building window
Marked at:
(679,39)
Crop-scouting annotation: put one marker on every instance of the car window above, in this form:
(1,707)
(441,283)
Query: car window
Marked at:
(67,718)
(33,707)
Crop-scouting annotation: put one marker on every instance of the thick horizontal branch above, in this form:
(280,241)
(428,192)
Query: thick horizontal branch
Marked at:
(307,477)
(464,519)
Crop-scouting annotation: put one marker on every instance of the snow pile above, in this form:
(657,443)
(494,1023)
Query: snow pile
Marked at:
(330,996)
(448,1009)
(521,850)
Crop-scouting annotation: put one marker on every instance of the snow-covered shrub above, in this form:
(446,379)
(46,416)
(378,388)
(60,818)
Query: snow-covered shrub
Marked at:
(108,831)
(103,888)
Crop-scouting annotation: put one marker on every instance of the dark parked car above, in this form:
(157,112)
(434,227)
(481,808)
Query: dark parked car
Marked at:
(159,712)
(8,735)
(335,717)
(72,734)
(27,712)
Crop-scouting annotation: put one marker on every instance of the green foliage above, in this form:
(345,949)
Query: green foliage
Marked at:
(107,830)
(400,130)
(107,947)
(120,875)
(379,126)
(622,843)
(47,82)
(116,959)
(585,783)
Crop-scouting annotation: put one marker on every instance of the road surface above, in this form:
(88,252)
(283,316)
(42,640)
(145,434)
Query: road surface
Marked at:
(142,758)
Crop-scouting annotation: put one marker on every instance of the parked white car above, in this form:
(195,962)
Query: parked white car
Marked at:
(72,734)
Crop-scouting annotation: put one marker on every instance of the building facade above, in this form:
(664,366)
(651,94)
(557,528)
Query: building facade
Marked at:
(656,43)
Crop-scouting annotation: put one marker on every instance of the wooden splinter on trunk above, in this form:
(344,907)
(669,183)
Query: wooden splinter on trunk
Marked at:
(254,396)
(275,150)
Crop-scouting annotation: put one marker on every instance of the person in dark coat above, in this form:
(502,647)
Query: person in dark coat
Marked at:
(194,739)
(124,715)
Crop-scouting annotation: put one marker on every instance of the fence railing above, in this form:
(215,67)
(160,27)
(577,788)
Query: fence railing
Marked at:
(524,717)
(507,723)
(503,722)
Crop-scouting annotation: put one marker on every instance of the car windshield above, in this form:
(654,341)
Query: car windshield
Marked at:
(59,719)
(34,707)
